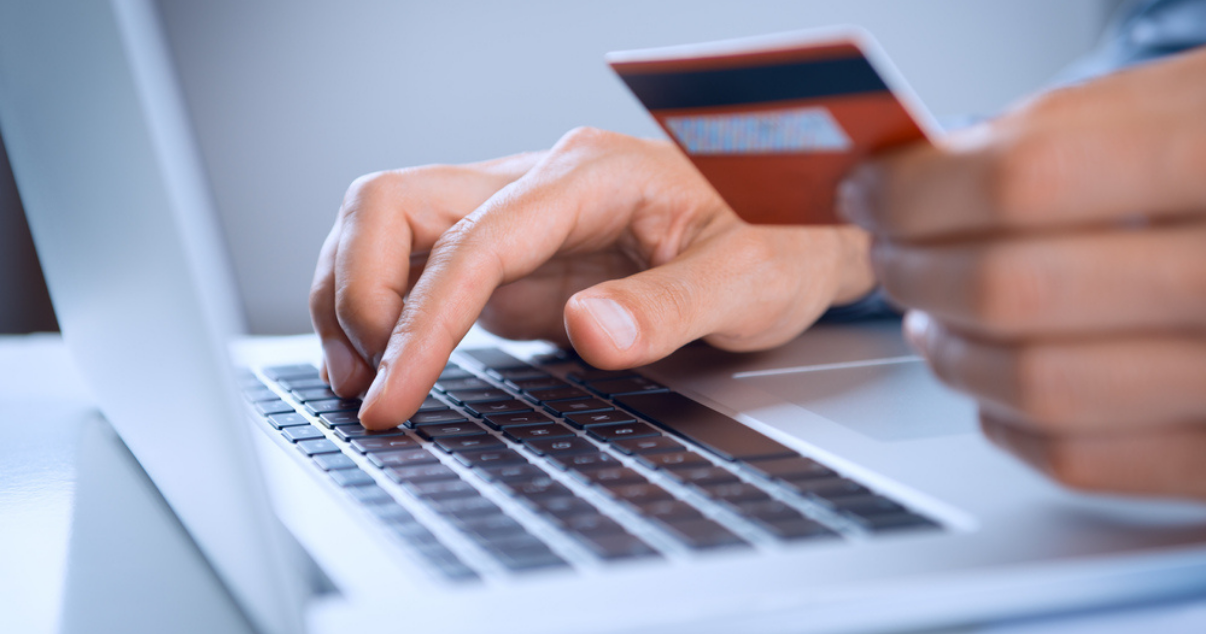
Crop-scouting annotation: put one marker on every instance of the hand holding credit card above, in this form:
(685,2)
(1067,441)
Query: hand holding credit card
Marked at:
(775,122)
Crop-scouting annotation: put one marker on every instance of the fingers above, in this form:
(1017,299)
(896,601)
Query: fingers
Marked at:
(1090,154)
(365,271)
(1165,462)
(577,198)
(1072,386)
(743,288)
(1051,285)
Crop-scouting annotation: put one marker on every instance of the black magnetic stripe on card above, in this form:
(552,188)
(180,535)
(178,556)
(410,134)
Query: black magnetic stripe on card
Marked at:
(735,86)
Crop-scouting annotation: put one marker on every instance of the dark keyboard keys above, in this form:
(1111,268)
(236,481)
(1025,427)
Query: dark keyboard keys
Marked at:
(612,417)
(439,489)
(864,505)
(797,529)
(301,432)
(390,512)
(333,405)
(334,419)
(295,371)
(519,374)
(468,383)
(494,359)
(704,426)
(734,492)
(448,430)
(352,432)
(640,446)
(461,508)
(454,371)
(637,494)
(465,397)
(560,446)
(491,458)
(491,527)
(422,419)
(314,394)
(584,461)
(403,458)
(498,407)
(591,524)
(606,477)
(431,404)
(536,432)
(702,534)
(702,476)
(369,494)
(317,446)
(630,385)
(468,443)
(509,472)
(333,461)
(828,488)
(268,408)
(667,510)
(504,421)
(612,546)
(377,444)
(292,419)
(593,374)
(767,511)
(580,406)
(259,395)
(793,468)
(523,552)
(546,383)
(562,507)
(351,477)
(608,433)
(557,394)
(534,489)
(673,460)
(305,383)
(893,522)
(421,473)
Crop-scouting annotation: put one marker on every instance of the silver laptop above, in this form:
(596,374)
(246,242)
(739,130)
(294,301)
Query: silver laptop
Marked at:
(829,485)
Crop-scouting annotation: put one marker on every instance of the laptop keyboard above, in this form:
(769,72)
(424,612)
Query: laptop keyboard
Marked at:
(605,466)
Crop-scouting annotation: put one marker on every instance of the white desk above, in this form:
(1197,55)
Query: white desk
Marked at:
(46,412)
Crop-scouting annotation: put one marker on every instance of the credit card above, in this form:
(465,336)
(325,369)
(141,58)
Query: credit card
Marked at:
(775,122)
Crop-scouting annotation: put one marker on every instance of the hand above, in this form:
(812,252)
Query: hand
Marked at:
(612,243)
(1055,262)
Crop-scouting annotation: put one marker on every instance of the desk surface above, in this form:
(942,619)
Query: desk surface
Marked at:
(46,406)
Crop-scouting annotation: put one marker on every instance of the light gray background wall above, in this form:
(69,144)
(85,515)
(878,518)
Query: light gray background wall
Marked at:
(293,99)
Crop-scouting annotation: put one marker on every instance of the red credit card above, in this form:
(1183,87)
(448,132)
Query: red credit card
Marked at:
(775,122)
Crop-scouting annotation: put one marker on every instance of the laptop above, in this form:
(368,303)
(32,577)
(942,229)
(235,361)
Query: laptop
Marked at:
(828,485)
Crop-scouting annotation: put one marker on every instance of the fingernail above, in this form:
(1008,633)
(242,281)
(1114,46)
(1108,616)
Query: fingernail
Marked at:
(917,330)
(338,361)
(853,202)
(613,319)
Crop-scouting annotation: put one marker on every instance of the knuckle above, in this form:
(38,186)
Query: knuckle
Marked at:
(587,138)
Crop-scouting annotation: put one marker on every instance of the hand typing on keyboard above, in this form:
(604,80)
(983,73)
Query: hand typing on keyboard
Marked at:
(613,243)
(1057,261)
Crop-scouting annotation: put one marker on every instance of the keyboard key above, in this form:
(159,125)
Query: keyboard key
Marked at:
(421,473)
(560,446)
(591,524)
(490,457)
(734,492)
(305,383)
(268,408)
(436,417)
(379,444)
(706,427)
(767,511)
(491,527)
(403,458)
(465,397)
(259,395)
(630,385)
(295,371)
(414,533)
(332,461)
(546,383)
(465,507)
(524,552)
(536,432)
(620,432)
(828,488)
(317,446)
(440,489)
(640,446)
(581,406)
(584,461)
(370,494)
(468,443)
(504,421)
(333,405)
(798,529)
(703,534)
(351,477)
(562,507)
(509,472)
(432,404)
(454,371)
(702,476)
(519,374)
(448,564)
(335,419)
(557,394)
(599,418)
(865,505)
(673,460)
(469,383)
(637,494)
(666,510)
(498,407)
(893,522)
(448,430)
(586,375)
(353,432)
(612,546)
(533,489)
(615,475)
(301,432)
(793,468)
(314,394)
(494,359)
(292,419)
(390,512)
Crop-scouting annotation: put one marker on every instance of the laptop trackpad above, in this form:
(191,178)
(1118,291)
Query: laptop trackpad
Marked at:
(887,401)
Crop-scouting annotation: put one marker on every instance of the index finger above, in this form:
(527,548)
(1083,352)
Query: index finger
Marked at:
(1126,145)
